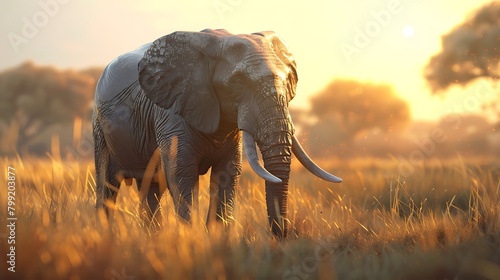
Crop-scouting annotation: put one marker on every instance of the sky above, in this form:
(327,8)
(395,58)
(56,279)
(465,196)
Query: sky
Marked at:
(375,41)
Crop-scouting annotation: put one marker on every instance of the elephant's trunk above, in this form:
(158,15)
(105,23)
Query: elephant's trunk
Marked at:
(276,172)
(277,160)
(274,133)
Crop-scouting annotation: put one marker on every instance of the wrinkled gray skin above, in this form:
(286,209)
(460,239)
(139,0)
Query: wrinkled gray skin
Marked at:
(191,96)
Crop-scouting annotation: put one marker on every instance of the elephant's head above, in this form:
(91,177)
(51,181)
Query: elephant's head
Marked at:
(213,77)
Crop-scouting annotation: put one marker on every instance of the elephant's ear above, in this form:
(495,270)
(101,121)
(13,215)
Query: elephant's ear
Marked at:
(175,73)
(285,55)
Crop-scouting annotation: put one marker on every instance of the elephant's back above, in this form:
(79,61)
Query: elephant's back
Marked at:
(119,74)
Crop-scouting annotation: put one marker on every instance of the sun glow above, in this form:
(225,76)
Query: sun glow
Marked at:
(408,31)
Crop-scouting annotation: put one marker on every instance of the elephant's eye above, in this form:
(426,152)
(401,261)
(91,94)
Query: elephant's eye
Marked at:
(237,80)
(236,85)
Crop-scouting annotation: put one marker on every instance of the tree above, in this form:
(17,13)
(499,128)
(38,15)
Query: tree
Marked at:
(470,51)
(33,98)
(345,108)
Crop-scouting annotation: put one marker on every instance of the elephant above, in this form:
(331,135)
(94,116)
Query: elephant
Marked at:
(194,101)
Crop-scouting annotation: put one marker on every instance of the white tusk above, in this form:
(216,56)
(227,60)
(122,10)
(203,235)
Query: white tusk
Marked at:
(253,159)
(309,164)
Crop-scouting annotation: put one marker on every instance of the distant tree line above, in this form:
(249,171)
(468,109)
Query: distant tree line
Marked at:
(354,119)
(345,109)
(346,119)
(40,100)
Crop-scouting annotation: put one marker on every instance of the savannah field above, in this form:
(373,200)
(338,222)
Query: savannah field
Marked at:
(399,98)
(441,221)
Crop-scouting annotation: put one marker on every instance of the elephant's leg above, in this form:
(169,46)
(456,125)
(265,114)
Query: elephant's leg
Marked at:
(151,189)
(180,167)
(223,180)
(109,192)
(106,182)
(181,187)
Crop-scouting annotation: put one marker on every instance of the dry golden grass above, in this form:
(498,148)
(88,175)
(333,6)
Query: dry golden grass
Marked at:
(440,222)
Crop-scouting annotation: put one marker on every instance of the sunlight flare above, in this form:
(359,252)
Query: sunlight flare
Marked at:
(408,31)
